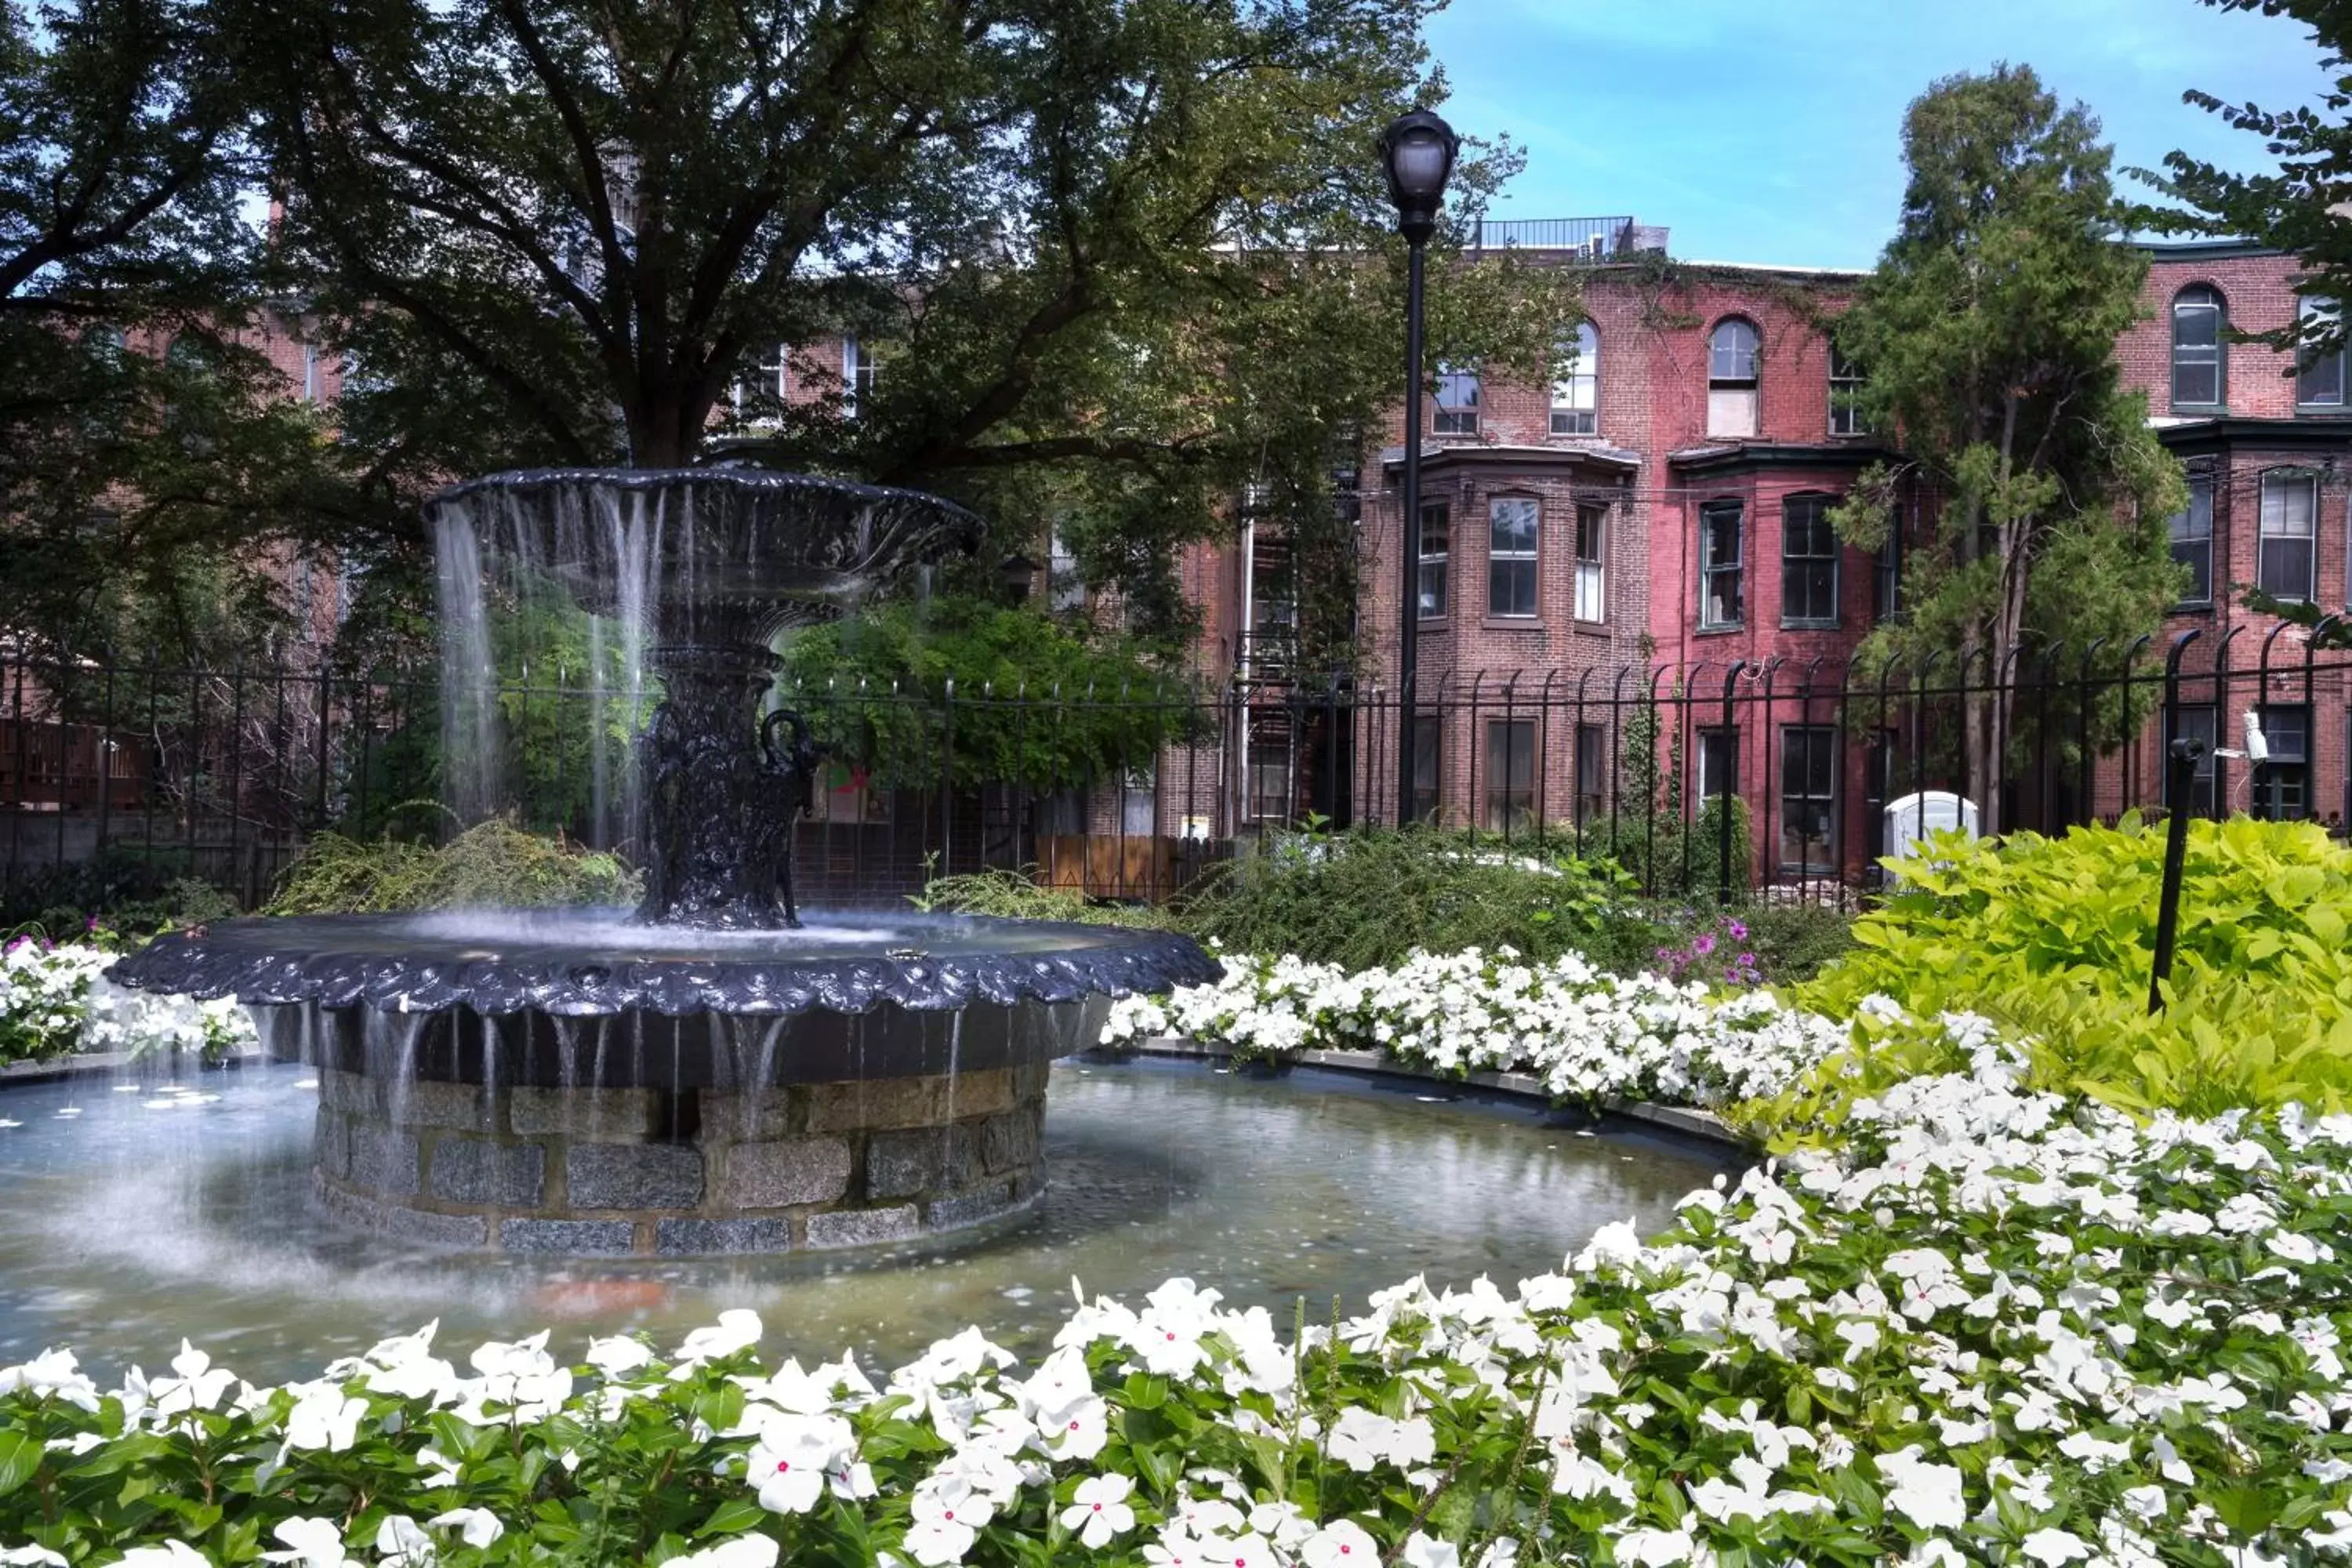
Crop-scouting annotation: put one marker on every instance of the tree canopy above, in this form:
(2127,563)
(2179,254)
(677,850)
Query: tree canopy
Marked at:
(1111,262)
(1987,331)
(146,454)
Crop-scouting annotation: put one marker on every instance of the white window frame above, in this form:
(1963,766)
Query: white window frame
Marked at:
(2276,535)
(1457,418)
(1525,565)
(1592,561)
(1576,391)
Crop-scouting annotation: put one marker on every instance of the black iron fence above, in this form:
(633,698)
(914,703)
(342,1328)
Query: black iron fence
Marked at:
(1705,781)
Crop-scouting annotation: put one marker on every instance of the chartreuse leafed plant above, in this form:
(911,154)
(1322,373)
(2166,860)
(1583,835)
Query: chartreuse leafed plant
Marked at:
(1991,1327)
(2055,937)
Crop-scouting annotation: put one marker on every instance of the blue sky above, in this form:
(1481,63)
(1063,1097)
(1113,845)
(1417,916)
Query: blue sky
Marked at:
(1769,131)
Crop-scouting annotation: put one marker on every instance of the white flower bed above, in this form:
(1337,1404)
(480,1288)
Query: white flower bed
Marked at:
(54,1000)
(1590,1035)
(1993,1328)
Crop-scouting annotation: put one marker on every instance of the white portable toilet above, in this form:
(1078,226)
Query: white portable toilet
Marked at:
(1910,820)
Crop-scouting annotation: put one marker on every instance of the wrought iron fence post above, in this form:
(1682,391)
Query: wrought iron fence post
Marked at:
(2187,752)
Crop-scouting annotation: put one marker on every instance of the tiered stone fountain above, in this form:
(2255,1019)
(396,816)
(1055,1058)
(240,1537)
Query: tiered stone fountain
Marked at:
(706,1074)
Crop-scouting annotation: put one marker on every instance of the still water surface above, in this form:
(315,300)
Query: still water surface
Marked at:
(139,1210)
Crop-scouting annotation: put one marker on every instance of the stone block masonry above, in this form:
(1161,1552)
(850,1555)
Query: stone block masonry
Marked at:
(623,1171)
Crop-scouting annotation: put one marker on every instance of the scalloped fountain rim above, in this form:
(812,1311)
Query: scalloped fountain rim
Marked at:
(399,963)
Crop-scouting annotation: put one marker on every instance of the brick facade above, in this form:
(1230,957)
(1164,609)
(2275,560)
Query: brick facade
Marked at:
(1660,470)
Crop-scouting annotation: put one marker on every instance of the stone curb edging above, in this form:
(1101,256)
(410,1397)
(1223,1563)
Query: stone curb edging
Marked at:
(88,1063)
(1685,1119)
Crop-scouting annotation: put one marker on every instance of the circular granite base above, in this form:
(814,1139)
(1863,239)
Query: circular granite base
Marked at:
(620,1171)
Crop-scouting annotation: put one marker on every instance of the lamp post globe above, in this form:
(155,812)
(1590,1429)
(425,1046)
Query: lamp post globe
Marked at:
(1417,152)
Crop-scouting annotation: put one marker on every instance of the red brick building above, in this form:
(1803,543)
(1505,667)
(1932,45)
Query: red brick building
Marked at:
(1655,521)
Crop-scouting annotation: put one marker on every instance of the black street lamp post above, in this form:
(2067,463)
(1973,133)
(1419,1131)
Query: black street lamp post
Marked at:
(1417,151)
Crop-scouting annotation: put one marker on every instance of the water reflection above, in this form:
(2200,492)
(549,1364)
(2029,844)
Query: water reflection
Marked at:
(142,1211)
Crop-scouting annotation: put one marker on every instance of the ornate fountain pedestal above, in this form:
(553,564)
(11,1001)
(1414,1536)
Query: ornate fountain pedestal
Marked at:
(615,1171)
(515,1082)
(704,1074)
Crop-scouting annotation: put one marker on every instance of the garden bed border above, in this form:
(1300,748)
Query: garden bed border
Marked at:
(1688,1121)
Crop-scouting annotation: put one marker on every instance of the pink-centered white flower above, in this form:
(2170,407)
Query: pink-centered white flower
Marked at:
(1342,1544)
(787,1466)
(1099,1510)
(947,1516)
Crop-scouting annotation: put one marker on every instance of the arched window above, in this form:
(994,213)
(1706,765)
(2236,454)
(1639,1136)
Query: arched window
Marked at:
(1731,401)
(1576,383)
(2197,320)
(2319,381)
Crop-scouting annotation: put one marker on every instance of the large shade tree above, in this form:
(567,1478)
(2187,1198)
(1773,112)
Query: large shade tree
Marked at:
(1112,262)
(148,458)
(1988,331)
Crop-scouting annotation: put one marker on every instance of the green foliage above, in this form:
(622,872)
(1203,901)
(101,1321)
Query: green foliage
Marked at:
(2293,207)
(1013,895)
(122,889)
(872,688)
(2055,938)
(1366,898)
(1109,259)
(147,454)
(1988,331)
(492,864)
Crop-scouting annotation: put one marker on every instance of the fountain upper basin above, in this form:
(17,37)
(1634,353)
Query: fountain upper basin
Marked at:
(594,961)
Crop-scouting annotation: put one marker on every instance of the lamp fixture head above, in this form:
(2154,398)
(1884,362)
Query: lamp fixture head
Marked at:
(1417,152)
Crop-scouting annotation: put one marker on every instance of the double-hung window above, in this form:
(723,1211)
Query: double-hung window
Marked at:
(1576,383)
(1845,396)
(1592,771)
(2285,556)
(1436,546)
(1720,604)
(1591,563)
(2197,366)
(1510,781)
(1512,523)
(1457,401)
(2191,532)
(1718,762)
(1428,738)
(857,369)
(2283,785)
(2319,375)
(1808,798)
(1809,563)
(1731,383)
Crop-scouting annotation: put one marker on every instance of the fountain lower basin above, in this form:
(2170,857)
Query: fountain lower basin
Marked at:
(569,1082)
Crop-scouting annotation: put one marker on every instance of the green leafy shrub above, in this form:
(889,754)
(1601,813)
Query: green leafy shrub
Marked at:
(2055,938)
(491,864)
(1366,898)
(873,688)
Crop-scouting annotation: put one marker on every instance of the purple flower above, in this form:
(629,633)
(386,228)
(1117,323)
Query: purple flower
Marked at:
(1704,945)
(1739,932)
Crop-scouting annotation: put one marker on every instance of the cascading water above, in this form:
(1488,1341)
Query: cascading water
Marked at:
(583,1081)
